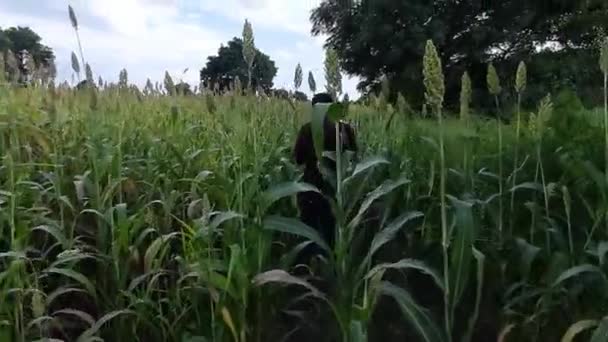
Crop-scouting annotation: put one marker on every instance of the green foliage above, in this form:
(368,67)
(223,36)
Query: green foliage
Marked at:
(23,38)
(229,64)
(385,37)
(333,76)
(172,218)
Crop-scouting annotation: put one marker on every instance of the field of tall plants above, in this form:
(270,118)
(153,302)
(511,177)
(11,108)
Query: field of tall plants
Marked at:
(154,217)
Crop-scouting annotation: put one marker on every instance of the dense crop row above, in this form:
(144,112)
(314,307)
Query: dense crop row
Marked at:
(171,218)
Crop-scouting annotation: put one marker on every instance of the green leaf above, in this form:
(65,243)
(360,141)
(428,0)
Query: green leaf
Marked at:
(391,230)
(408,264)
(337,111)
(222,217)
(89,333)
(61,291)
(54,232)
(317,127)
(528,186)
(285,190)
(85,317)
(357,333)
(382,190)
(153,250)
(577,328)
(461,248)
(578,270)
(282,277)
(601,333)
(364,166)
(70,273)
(416,315)
(295,227)
(528,254)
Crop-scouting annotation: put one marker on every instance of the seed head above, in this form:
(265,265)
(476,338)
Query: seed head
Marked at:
(297,79)
(248,44)
(465,96)
(604,56)
(38,305)
(311,83)
(73,19)
(75,64)
(169,84)
(521,78)
(89,74)
(493,80)
(2,71)
(545,109)
(433,77)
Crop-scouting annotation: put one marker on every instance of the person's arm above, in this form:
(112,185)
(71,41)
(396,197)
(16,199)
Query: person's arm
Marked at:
(351,138)
(303,151)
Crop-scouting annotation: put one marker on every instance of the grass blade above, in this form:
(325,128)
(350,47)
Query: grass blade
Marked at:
(89,333)
(461,249)
(285,190)
(578,270)
(408,264)
(282,277)
(382,190)
(295,227)
(577,328)
(79,277)
(601,333)
(418,318)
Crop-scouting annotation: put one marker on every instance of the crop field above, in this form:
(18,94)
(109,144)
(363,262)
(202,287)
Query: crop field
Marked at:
(151,217)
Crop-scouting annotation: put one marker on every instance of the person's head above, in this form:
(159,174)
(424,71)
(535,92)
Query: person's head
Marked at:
(322,98)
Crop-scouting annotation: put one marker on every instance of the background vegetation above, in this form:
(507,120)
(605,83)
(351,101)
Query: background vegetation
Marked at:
(163,215)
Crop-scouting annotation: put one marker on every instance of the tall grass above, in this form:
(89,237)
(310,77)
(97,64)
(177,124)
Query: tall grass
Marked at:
(165,217)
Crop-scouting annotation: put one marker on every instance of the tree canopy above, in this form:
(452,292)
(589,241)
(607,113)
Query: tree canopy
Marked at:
(24,38)
(229,64)
(386,38)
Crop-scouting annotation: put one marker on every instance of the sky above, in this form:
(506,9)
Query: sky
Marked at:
(149,37)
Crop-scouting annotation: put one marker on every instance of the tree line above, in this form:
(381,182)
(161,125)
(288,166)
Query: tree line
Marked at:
(385,39)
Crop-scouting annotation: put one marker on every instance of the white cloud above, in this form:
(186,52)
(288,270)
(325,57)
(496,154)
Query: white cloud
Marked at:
(148,37)
(291,15)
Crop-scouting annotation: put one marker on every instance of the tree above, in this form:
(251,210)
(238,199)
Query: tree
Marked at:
(23,38)
(17,39)
(297,79)
(249,50)
(333,77)
(123,78)
(311,82)
(229,64)
(468,34)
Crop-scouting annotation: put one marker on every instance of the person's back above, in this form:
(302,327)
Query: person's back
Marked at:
(315,209)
